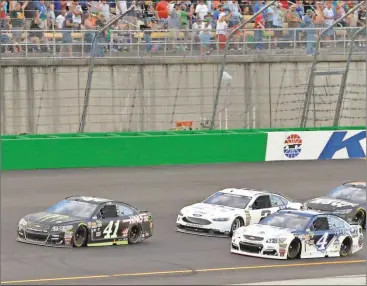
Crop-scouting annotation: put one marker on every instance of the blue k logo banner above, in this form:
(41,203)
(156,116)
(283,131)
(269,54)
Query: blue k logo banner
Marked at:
(337,142)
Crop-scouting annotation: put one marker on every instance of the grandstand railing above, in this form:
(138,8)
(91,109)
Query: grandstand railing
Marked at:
(131,43)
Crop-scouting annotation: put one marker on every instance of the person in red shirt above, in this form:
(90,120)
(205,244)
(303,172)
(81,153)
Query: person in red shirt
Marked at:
(259,27)
(162,9)
(2,14)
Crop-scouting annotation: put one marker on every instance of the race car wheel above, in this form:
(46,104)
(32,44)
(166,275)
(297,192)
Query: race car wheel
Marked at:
(237,223)
(360,218)
(134,235)
(80,236)
(294,249)
(346,247)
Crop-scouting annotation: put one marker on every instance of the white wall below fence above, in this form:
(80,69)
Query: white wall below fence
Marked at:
(44,97)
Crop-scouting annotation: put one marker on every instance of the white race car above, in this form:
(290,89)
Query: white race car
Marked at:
(290,234)
(225,211)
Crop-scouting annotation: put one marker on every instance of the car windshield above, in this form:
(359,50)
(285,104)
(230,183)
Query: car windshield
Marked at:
(286,220)
(228,200)
(73,208)
(355,195)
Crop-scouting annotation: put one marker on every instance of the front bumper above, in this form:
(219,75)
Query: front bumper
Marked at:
(263,250)
(217,229)
(54,239)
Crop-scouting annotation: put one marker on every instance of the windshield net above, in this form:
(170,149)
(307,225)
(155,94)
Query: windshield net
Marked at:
(228,200)
(355,195)
(290,221)
(73,208)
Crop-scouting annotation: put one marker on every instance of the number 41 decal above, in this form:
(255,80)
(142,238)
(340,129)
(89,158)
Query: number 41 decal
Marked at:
(108,230)
(322,242)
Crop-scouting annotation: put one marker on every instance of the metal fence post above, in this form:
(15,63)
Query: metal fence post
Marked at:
(91,66)
(225,56)
(344,79)
(310,84)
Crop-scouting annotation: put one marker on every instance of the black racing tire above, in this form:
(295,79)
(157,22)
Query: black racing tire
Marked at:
(360,218)
(346,247)
(237,223)
(80,237)
(134,235)
(294,249)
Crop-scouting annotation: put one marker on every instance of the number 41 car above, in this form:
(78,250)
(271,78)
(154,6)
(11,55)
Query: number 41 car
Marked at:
(291,234)
(86,221)
(225,211)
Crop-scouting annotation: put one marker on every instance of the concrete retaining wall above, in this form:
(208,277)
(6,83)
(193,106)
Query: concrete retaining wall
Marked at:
(47,96)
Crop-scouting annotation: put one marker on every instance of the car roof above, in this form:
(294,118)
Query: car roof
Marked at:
(245,192)
(88,199)
(306,213)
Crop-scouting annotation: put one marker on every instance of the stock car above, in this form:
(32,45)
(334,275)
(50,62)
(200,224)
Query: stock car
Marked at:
(291,234)
(347,201)
(79,221)
(225,211)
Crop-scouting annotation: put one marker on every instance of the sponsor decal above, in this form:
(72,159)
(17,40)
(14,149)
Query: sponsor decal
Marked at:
(197,215)
(67,237)
(98,234)
(352,145)
(98,223)
(292,146)
(94,225)
(282,251)
(316,145)
(124,232)
(89,224)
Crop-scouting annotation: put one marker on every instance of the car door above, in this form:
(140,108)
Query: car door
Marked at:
(260,208)
(108,226)
(133,216)
(323,234)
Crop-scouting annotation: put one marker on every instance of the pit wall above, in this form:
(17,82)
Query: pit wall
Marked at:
(131,149)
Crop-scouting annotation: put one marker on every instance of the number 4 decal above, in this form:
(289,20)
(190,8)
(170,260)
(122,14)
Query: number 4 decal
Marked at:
(322,242)
(108,230)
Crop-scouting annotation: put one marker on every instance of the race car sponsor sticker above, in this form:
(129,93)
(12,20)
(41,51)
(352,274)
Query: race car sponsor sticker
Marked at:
(124,232)
(193,225)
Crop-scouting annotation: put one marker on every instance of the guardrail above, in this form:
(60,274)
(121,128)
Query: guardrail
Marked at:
(83,150)
(168,43)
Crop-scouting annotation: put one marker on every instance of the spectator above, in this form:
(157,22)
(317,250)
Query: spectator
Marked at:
(42,15)
(174,26)
(205,46)
(294,23)
(3,4)
(67,38)
(329,20)
(77,13)
(221,31)
(17,23)
(362,22)
(30,9)
(60,20)
(278,22)
(162,10)
(51,16)
(201,10)
(104,9)
(90,33)
(259,28)
(309,19)
(36,34)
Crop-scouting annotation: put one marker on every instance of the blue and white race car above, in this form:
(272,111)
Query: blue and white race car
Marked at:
(290,234)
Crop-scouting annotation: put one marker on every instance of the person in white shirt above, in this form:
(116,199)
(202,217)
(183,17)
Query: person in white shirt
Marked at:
(60,20)
(221,31)
(77,14)
(201,10)
(121,7)
(329,20)
(104,9)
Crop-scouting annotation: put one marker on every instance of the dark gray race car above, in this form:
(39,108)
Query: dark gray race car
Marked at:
(347,201)
(86,221)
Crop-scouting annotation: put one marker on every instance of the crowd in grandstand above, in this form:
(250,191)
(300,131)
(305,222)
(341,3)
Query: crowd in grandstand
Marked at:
(197,20)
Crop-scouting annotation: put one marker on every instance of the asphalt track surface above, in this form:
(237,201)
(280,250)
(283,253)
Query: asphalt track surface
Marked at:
(168,257)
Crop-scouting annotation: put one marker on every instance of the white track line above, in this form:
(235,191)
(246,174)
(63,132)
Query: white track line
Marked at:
(338,280)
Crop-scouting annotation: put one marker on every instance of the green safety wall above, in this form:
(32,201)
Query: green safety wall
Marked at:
(85,150)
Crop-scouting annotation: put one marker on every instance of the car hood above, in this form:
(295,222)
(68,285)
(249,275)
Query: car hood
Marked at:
(49,218)
(264,231)
(329,204)
(208,210)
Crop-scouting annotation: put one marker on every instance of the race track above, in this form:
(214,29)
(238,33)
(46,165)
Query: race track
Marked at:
(169,257)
